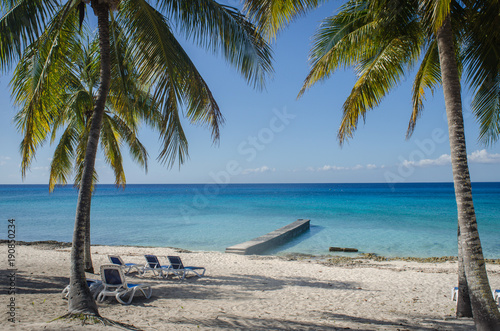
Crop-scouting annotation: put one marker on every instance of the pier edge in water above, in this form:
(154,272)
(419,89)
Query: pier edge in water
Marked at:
(272,239)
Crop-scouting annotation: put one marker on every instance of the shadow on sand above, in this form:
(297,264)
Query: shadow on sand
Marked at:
(330,321)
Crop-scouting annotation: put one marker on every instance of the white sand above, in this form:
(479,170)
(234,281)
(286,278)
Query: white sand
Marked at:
(248,293)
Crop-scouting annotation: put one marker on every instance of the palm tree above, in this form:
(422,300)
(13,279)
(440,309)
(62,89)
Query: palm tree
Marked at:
(482,62)
(382,39)
(124,112)
(160,61)
(484,308)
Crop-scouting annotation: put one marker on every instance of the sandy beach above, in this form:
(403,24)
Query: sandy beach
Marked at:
(248,293)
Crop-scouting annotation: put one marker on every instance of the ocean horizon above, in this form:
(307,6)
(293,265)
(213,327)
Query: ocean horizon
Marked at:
(396,220)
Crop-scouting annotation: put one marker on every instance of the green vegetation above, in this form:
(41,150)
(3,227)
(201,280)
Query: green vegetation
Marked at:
(45,31)
(382,40)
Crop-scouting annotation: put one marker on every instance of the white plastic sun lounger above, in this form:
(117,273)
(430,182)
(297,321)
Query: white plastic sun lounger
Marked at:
(114,284)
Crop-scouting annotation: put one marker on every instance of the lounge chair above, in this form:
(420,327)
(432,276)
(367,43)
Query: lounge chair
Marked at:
(178,268)
(114,284)
(94,285)
(153,264)
(454,294)
(115,259)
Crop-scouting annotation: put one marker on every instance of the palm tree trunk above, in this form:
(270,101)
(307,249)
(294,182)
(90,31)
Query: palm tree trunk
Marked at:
(485,311)
(89,267)
(80,298)
(464,308)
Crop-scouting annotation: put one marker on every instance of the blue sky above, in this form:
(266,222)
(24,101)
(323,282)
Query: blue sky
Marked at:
(271,137)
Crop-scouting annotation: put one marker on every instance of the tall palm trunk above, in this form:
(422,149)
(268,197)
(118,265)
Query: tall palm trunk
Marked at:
(87,259)
(464,308)
(485,311)
(80,298)
(89,267)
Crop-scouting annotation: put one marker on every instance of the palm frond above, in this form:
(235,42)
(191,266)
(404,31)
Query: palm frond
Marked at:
(428,77)
(37,86)
(272,16)
(341,41)
(173,138)
(218,27)
(377,76)
(110,144)
(80,158)
(21,23)
(61,166)
(380,41)
(435,12)
(486,107)
(136,148)
(481,57)
(163,63)
(124,74)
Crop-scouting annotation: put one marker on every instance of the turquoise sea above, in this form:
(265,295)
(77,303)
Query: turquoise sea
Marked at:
(399,220)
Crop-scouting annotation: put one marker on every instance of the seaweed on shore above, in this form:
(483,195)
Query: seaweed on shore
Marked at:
(356,260)
(50,243)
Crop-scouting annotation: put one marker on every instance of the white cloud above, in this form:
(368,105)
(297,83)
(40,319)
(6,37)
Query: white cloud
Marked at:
(329,168)
(442,160)
(4,159)
(258,170)
(40,168)
(479,156)
(337,168)
(483,156)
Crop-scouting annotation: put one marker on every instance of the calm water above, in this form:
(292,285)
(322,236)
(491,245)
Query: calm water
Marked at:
(405,220)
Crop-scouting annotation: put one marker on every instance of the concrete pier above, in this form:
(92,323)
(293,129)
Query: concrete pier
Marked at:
(270,240)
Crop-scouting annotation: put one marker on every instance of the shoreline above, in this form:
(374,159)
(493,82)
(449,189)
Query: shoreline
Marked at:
(248,292)
(325,258)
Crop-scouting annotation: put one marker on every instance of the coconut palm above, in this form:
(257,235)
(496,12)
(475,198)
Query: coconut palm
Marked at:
(481,60)
(160,60)
(484,309)
(120,122)
(382,39)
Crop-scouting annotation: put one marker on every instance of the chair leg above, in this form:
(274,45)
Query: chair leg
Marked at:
(202,274)
(149,289)
(123,293)
(177,272)
(197,274)
(96,290)
(65,292)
